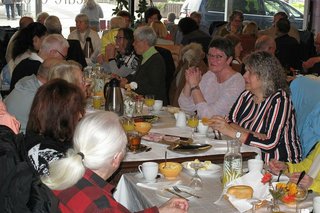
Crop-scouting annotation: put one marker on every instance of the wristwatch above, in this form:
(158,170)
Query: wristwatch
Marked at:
(238,135)
(194,88)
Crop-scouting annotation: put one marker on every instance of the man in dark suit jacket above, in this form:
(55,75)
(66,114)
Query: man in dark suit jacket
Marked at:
(288,48)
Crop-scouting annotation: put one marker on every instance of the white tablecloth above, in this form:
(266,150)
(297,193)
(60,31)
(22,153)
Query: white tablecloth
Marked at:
(136,198)
(166,125)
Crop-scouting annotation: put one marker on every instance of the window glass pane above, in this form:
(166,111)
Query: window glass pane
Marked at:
(215,5)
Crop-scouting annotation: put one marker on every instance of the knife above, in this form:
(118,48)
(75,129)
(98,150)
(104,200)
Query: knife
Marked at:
(194,195)
(172,192)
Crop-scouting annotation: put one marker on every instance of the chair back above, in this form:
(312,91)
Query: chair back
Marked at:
(306,101)
(175,52)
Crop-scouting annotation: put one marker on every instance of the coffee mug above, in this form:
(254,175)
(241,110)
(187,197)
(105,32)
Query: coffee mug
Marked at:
(157,105)
(255,165)
(316,204)
(203,129)
(181,119)
(149,170)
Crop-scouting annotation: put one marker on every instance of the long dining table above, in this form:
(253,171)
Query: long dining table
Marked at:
(156,152)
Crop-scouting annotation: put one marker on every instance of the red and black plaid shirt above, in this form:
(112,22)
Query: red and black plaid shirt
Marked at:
(91,194)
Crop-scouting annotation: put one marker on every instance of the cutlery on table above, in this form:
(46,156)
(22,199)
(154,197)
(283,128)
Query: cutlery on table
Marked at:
(302,174)
(172,192)
(175,188)
(280,173)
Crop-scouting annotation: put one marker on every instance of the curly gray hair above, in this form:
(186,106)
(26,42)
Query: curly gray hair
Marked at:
(146,33)
(269,71)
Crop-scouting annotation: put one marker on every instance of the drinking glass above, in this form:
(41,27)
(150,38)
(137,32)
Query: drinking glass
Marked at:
(301,195)
(196,182)
(149,102)
(128,124)
(193,122)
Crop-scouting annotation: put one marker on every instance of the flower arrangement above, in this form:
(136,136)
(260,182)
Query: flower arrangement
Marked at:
(286,192)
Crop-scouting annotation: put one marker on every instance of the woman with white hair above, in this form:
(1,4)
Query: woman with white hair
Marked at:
(82,32)
(78,180)
(151,74)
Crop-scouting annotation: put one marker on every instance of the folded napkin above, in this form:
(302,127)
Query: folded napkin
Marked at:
(260,190)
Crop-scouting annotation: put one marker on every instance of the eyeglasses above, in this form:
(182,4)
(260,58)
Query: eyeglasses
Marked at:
(63,56)
(118,37)
(217,57)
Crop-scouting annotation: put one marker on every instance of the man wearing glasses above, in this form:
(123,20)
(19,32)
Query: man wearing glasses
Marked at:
(53,46)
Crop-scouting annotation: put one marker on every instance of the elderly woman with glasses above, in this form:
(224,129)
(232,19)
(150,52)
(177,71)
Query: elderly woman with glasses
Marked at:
(263,116)
(82,32)
(215,92)
(99,145)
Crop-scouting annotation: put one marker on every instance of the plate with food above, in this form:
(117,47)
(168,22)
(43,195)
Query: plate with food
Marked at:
(207,169)
(147,118)
(166,139)
(191,148)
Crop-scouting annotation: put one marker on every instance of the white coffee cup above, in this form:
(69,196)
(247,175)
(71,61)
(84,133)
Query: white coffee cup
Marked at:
(255,165)
(157,105)
(203,129)
(149,170)
(181,119)
(316,204)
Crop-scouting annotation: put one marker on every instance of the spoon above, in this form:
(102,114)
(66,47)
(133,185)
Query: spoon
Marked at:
(280,173)
(302,174)
(165,159)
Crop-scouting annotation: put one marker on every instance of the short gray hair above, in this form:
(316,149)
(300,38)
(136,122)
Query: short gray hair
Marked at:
(99,136)
(82,17)
(146,33)
(269,70)
(65,70)
(53,25)
(53,41)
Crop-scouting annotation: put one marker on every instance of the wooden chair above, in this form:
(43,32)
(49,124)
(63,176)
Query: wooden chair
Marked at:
(175,51)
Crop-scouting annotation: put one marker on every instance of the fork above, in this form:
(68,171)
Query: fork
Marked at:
(175,188)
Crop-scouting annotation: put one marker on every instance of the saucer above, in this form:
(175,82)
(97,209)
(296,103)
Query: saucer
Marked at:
(140,176)
(142,148)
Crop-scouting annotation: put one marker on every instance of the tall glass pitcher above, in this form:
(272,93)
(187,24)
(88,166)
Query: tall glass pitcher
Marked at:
(232,165)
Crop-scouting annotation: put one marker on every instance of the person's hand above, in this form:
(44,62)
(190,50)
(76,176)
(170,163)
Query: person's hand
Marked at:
(275,166)
(260,135)
(310,62)
(193,76)
(219,123)
(111,51)
(174,205)
(100,59)
(305,182)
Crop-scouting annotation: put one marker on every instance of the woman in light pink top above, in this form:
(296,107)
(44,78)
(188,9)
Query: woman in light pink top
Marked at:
(215,92)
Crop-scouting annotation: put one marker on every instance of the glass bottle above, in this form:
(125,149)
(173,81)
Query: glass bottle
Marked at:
(88,48)
(232,165)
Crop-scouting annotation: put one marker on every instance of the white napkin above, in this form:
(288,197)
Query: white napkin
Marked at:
(260,190)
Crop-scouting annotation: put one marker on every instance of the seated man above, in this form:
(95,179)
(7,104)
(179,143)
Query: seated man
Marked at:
(313,63)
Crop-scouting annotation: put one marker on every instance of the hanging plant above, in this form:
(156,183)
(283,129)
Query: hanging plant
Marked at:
(142,6)
(121,4)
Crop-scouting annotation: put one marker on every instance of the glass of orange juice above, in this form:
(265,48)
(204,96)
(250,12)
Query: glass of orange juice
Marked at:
(149,101)
(128,124)
(193,122)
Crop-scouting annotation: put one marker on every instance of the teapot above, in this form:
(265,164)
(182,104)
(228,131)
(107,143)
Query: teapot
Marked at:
(113,96)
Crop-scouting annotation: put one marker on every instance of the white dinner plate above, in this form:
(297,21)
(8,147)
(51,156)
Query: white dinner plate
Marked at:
(165,194)
(213,169)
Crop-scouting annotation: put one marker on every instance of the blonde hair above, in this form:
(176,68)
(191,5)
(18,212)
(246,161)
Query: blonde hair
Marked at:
(160,29)
(117,22)
(66,70)
(192,54)
(250,29)
(99,136)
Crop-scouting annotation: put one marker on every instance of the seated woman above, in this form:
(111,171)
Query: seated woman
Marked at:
(82,32)
(263,116)
(310,165)
(98,149)
(56,109)
(122,57)
(190,55)
(215,92)
(162,33)
(236,63)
